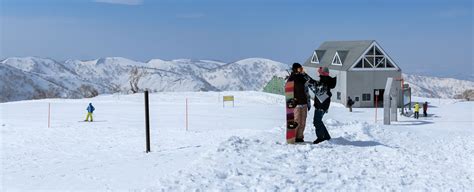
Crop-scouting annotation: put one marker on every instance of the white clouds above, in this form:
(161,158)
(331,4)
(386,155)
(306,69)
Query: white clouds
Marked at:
(123,2)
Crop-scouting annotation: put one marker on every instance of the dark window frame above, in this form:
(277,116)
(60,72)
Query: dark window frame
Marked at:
(366,97)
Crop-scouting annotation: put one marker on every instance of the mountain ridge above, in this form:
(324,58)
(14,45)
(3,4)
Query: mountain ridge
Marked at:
(46,77)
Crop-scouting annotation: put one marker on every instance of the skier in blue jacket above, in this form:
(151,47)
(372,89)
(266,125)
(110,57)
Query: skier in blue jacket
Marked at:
(90,109)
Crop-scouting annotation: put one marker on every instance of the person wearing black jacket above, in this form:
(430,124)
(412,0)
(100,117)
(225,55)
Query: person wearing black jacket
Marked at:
(301,95)
(425,108)
(350,102)
(322,100)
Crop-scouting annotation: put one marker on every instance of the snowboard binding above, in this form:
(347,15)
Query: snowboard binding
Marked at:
(291,125)
(291,103)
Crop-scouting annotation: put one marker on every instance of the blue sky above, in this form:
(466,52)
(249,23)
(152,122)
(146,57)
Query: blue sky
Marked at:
(422,36)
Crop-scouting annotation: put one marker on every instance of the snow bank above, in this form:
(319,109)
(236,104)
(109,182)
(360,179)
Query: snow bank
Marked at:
(357,159)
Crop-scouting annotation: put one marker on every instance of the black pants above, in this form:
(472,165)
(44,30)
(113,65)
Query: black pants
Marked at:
(417,115)
(425,114)
(321,131)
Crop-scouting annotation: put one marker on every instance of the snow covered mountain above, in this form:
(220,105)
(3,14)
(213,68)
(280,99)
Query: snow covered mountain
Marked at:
(436,87)
(16,84)
(248,74)
(39,78)
(33,78)
(114,72)
(43,78)
(47,69)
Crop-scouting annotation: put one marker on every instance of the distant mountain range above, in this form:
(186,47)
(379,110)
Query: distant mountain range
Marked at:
(437,87)
(23,78)
(33,78)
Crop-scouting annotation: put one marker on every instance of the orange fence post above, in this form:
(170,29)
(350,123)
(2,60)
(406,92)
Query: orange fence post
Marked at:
(186,114)
(49,115)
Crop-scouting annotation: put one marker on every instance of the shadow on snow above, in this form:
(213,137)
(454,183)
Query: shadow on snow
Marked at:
(343,141)
(411,122)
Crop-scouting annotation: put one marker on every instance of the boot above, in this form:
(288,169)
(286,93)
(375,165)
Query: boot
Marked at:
(317,141)
(298,140)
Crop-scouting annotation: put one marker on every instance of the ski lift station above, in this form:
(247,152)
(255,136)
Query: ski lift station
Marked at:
(362,69)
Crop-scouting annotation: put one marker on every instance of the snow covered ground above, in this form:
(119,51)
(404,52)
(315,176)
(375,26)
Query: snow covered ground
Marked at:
(231,148)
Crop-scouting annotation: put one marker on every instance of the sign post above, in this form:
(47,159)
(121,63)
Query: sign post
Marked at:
(228,98)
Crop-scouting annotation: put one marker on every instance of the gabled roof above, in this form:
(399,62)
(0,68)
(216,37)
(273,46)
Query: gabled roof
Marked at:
(348,51)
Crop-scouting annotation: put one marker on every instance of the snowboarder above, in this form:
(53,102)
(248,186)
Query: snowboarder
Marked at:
(302,98)
(350,102)
(90,109)
(417,110)
(425,108)
(322,100)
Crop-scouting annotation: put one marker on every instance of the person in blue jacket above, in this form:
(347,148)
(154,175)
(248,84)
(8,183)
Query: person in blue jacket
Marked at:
(90,109)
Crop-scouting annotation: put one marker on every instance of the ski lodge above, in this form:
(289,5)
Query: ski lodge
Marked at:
(361,68)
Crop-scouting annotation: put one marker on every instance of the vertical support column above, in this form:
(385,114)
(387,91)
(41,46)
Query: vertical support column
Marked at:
(387,102)
(395,99)
(147,123)
(393,107)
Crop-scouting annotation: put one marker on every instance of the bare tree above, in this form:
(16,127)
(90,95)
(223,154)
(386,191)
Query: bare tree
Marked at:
(87,91)
(135,76)
(46,93)
(115,88)
(468,94)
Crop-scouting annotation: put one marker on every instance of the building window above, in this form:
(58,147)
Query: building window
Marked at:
(366,97)
(359,64)
(374,59)
(356,98)
(315,58)
(336,60)
(338,95)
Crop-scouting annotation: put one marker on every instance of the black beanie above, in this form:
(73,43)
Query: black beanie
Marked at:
(295,67)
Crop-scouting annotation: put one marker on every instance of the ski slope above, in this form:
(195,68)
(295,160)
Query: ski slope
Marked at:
(237,148)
